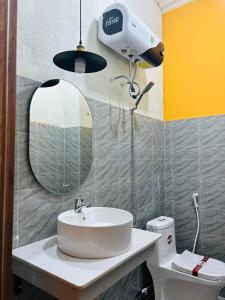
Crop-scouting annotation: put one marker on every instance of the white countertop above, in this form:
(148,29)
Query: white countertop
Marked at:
(45,256)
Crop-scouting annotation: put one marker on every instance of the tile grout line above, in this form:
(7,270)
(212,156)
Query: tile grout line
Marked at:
(94,139)
(171,161)
(200,185)
(17,185)
(164,164)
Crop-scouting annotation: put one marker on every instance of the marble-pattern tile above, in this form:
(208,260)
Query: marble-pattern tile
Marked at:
(157,166)
(106,150)
(72,140)
(16,163)
(124,130)
(212,162)
(124,151)
(73,162)
(24,92)
(86,160)
(211,130)
(185,163)
(125,194)
(144,214)
(125,167)
(158,152)
(72,182)
(169,210)
(89,183)
(52,182)
(56,156)
(26,179)
(15,222)
(168,134)
(85,137)
(106,120)
(84,174)
(212,192)
(158,195)
(209,229)
(52,162)
(143,130)
(37,214)
(106,169)
(158,134)
(168,188)
(144,169)
(168,183)
(50,137)
(107,193)
(185,134)
(143,192)
(142,151)
(213,216)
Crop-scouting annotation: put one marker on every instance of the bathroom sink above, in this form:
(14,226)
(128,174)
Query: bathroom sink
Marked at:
(95,232)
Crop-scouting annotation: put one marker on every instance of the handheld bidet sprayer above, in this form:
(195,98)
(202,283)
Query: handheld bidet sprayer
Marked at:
(195,200)
(196,206)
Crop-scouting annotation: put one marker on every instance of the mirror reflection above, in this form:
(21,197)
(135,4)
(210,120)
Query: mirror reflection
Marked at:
(60,144)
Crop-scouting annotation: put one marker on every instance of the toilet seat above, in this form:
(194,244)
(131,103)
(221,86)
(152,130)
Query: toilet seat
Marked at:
(199,266)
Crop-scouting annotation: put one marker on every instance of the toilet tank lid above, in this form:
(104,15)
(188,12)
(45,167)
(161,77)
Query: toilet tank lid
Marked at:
(160,223)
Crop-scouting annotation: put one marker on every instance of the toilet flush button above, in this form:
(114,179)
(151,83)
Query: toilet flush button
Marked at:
(161,219)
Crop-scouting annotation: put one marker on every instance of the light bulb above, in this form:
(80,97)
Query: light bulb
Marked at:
(79,65)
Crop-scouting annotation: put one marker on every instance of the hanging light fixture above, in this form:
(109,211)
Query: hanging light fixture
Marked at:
(79,60)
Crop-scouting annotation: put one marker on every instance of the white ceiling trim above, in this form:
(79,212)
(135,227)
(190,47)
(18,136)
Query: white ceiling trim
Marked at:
(167,5)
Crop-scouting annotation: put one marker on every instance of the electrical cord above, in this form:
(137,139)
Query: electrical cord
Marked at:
(134,87)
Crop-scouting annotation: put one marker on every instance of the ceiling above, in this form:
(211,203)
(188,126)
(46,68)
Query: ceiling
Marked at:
(167,5)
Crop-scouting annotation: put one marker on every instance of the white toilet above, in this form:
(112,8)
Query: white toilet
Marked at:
(185,276)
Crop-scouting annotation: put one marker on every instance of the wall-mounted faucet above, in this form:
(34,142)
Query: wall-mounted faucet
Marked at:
(79,205)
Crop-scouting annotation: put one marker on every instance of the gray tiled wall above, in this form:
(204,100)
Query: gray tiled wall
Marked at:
(195,162)
(60,158)
(107,183)
(47,158)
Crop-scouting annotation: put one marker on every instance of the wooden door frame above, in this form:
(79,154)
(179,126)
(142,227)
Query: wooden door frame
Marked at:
(8,16)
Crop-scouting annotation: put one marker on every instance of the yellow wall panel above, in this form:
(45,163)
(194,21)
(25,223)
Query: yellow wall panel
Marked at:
(194,65)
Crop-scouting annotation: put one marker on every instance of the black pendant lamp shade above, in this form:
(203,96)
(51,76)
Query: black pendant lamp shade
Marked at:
(79,60)
(89,62)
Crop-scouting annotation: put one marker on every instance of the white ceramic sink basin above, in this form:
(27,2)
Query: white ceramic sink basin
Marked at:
(96,232)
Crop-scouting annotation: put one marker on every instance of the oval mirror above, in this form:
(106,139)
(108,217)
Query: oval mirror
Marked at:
(60,143)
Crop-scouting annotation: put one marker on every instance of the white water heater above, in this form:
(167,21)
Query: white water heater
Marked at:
(122,31)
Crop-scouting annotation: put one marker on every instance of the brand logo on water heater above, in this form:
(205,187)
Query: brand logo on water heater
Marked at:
(111,21)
